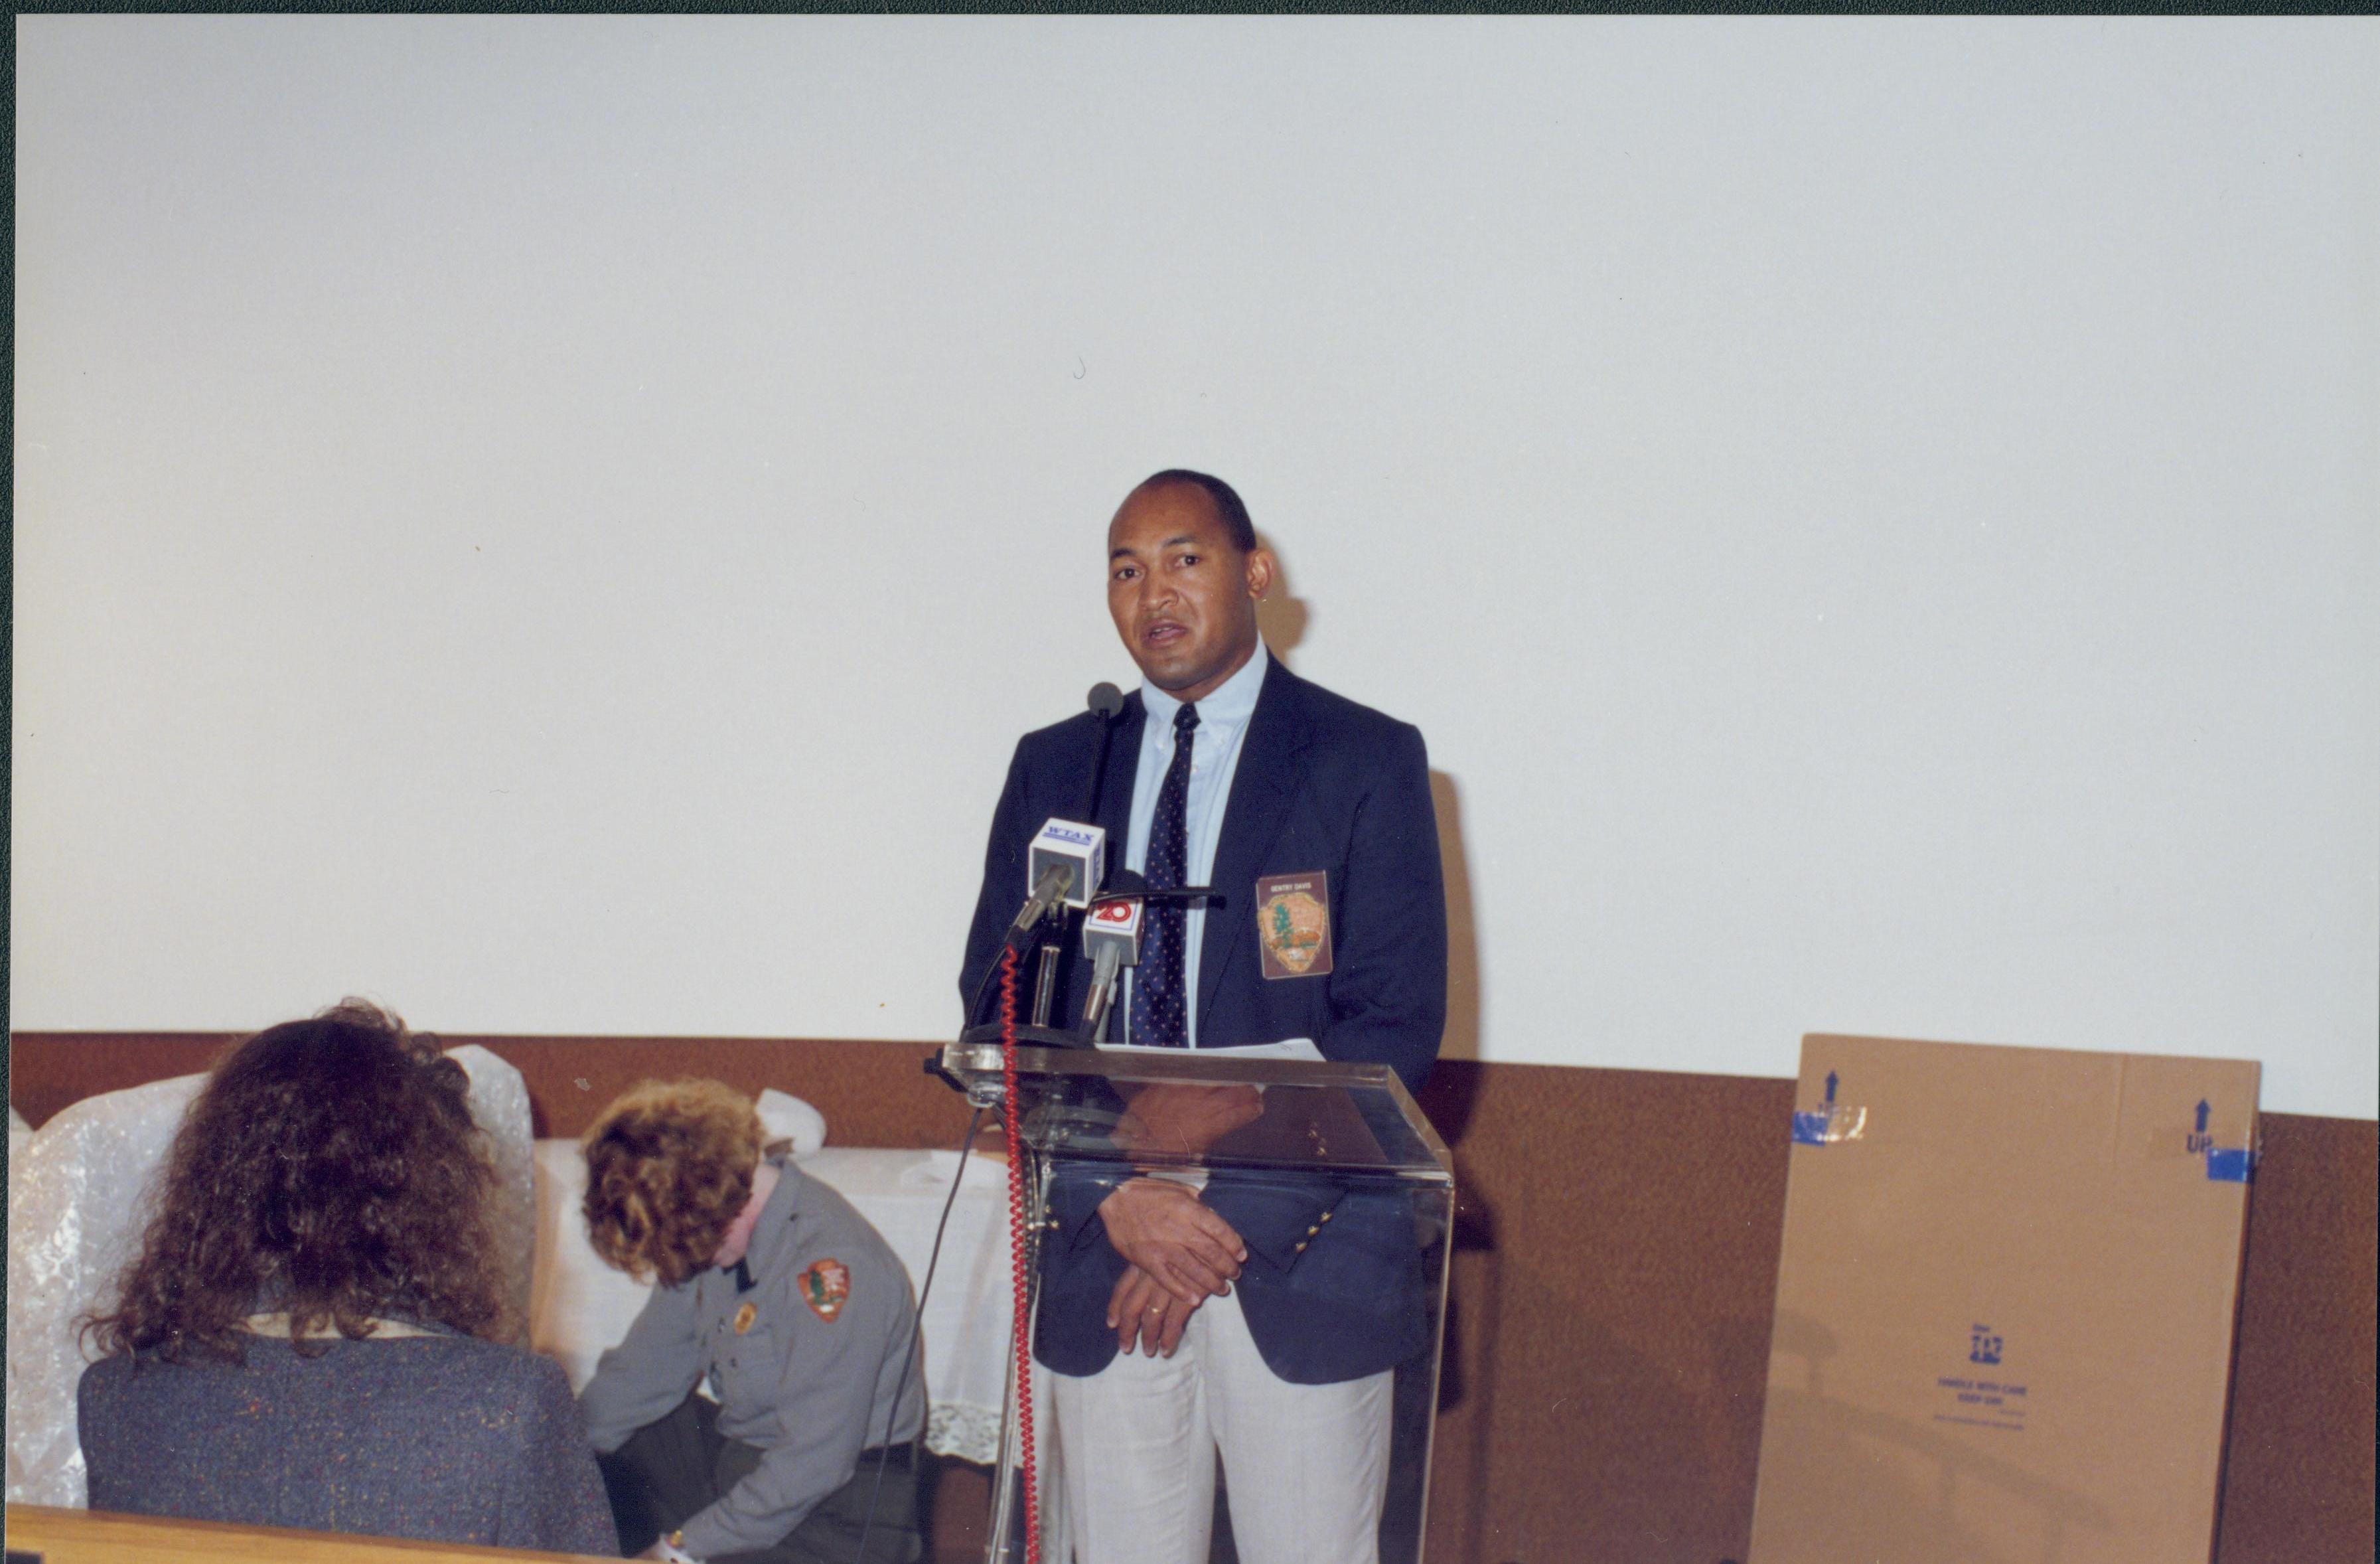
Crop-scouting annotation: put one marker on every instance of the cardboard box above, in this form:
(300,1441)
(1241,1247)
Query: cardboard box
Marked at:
(2005,1312)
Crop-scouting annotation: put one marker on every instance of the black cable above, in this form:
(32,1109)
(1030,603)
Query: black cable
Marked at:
(917,1334)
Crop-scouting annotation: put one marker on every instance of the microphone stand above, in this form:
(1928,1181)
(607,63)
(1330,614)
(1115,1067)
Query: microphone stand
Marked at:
(1045,982)
(1100,760)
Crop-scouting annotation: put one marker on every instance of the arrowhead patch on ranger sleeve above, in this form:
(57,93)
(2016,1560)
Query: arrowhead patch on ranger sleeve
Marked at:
(825,1287)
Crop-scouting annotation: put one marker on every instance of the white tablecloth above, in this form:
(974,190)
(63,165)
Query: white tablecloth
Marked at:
(579,1306)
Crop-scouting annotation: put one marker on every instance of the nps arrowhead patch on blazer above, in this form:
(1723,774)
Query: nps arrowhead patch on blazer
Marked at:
(1293,925)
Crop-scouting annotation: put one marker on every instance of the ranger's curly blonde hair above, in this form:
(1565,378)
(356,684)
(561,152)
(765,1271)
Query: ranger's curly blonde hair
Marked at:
(669,1169)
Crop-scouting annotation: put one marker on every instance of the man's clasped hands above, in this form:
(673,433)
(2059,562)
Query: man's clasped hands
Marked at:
(1178,1253)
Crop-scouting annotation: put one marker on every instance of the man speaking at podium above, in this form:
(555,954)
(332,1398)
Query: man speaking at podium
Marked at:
(1177,1320)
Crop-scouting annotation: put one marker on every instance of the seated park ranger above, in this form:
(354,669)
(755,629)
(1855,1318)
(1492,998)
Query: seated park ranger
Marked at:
(763,1405)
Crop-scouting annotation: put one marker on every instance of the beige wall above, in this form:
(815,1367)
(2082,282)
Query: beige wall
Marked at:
(556,523)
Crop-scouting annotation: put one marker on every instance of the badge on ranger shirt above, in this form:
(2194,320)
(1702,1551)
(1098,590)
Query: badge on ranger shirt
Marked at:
(825,1286)
(1293,925)
(745,1314)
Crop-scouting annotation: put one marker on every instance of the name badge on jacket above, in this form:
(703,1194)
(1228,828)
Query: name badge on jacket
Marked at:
(1293,925)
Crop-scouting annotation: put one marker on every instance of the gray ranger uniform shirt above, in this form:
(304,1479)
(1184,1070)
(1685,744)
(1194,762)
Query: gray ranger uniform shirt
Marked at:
(803,1363)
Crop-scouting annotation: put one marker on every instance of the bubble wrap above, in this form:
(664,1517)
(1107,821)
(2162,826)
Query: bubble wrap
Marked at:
(786,1118)
(500,1106)
(80,1193)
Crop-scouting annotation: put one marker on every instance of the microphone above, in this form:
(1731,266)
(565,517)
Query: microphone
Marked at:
(1111,939)
(1106,702)
(1076,847)
(1071,868)
(1064,866)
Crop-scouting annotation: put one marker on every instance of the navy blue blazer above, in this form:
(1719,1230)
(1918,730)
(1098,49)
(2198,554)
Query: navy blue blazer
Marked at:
(1332,1290)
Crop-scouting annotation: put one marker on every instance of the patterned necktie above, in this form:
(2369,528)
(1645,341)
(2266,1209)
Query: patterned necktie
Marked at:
(1161,1014)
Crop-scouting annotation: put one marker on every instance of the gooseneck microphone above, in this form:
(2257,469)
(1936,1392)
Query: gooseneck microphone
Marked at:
(1106,702)
(1066,860)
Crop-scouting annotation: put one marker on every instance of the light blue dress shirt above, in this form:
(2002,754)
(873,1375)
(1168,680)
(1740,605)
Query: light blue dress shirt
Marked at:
(1214,757)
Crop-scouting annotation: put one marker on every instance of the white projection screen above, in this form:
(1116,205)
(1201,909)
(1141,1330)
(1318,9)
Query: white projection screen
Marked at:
(556,524)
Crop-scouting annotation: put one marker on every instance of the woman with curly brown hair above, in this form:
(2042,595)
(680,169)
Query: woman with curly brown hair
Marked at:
(306,1338)
(793,1309)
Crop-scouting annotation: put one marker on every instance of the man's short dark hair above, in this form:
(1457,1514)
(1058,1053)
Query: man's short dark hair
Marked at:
(1228,504)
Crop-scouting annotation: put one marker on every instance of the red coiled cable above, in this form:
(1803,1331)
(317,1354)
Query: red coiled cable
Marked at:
(1024,1338)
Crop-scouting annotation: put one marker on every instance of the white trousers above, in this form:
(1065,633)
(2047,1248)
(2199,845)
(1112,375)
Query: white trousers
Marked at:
(1306,1465)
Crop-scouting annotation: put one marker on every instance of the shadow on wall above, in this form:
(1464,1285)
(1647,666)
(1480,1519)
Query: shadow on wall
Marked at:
(1283,618)
(1650,1499)
(1461,935)
(1475,1302)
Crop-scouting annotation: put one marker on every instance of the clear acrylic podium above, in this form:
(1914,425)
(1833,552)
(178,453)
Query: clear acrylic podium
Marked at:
(1338,1151)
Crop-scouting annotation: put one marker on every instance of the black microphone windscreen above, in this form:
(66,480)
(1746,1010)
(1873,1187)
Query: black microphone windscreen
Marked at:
(1124,882)
(1107,700)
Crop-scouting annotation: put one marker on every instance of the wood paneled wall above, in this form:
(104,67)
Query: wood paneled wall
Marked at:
(1615,1263)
